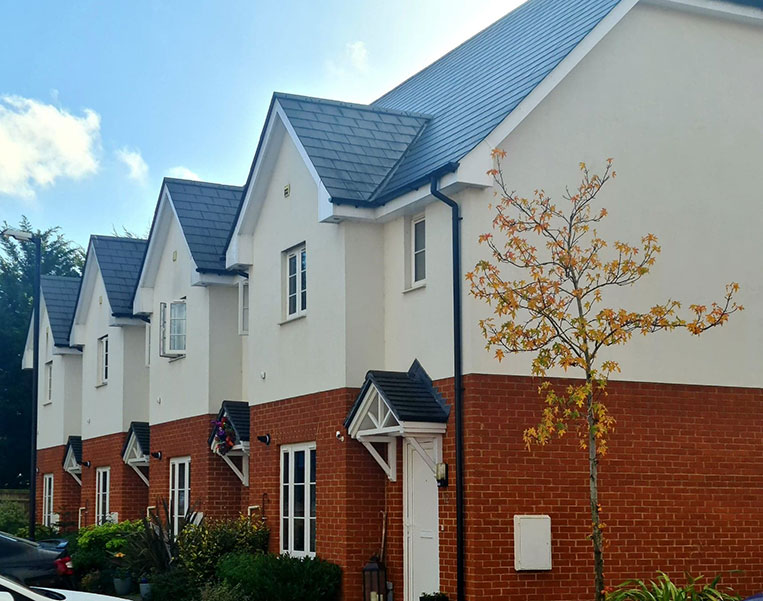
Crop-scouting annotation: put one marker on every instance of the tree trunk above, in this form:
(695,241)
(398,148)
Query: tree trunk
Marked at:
(596,536)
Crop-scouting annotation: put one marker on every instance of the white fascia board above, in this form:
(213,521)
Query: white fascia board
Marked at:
(715,8)
(119,322)
(66,350)
(85,298)
(547,85)
(213,279)
(28,357)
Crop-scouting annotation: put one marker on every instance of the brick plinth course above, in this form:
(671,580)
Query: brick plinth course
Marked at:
(66,490)
(215,489)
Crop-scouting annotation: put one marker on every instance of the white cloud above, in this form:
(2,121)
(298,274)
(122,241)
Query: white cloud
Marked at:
(40,143)
(182,173)
(357,54)
(136,166)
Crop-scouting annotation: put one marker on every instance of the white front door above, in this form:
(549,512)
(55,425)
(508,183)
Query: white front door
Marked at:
(421,555)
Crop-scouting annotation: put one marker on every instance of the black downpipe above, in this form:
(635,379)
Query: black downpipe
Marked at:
(458,395)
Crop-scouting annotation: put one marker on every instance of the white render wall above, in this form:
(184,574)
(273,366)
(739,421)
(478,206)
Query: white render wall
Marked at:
(210,371)
(59,417)
(109,408)
(674,97)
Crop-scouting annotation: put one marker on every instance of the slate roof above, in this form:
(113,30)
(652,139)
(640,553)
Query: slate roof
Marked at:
(60,295)
(142,432)
(410,395)
(74,443)
(206,212)
(119,260)
(355,148)
(238,414)
(470,90)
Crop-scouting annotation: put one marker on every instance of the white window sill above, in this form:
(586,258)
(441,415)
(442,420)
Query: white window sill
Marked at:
(177,358)
(290,319)
(416,286)
(101,384)
(47,403)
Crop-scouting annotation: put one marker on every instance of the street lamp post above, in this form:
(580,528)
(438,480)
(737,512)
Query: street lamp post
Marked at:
(23,236)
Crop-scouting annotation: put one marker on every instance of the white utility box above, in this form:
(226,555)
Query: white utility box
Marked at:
(532,542)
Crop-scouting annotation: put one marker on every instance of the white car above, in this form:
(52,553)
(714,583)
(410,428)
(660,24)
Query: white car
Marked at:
(13,591)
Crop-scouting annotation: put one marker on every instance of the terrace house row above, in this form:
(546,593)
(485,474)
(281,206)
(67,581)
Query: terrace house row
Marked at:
(312,308)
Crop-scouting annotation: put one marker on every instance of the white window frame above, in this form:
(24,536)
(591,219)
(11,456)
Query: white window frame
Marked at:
(48,382)
(299,253)
(243,308)
(48,517)
(176,511)
(103,361)
(286,481)
(169,347)
(102,495)
(423,251)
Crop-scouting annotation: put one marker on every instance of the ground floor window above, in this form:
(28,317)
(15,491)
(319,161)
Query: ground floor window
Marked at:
(102,485)
(180,489)
(47,500)
(298,499)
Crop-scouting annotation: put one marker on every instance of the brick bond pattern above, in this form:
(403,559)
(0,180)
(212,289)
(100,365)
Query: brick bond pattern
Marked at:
(127,492)
(681,488)
(66,491)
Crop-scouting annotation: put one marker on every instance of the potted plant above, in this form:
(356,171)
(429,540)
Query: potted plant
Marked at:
(122,580)
(433,597)
(145,588)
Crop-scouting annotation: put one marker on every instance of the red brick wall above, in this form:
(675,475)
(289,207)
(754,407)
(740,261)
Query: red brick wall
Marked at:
(681,489)
(215,489)
(350,485)
(128,495)
(66,491)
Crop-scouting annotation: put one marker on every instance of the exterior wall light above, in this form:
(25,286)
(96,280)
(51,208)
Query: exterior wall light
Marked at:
(157,455)
(264,439)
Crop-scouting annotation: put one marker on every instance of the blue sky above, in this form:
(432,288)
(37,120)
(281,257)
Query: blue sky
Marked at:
(100,100)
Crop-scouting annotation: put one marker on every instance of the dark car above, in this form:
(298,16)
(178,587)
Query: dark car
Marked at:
(31,563)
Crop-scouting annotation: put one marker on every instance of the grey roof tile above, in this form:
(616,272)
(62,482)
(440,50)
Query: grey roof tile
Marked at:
(337,137)
(206,212)
(120,261)
(237,413)
(75,444)
(142,433)
(60,296)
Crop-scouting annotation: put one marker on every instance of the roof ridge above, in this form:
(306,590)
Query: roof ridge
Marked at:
(354,105)
(115,238)
(51,276)
(451,51)
(197,182)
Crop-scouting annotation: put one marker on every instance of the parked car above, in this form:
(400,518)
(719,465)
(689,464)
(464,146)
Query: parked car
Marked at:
(15,591)
(31,563)
(758,597)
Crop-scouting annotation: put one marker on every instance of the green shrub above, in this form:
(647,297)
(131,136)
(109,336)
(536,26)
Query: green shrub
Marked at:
(434,597)
(12,517)
(97,582)
(173,585)
(220,591)
(201,546)
(663,589)
(40,532)
(96,545)
(268,577)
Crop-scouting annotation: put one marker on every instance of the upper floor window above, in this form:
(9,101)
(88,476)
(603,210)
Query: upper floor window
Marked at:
(102,486)
(48,517)
(103,360)
(243,303)
(49,382)
(418,250)
(173,325)
(298,499)
(295,293)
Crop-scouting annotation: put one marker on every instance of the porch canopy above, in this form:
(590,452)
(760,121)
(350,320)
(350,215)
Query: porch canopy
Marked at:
(392,405)
(137,449)
(234,442)
(73,458)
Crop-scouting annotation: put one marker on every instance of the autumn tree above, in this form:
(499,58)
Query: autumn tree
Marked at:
(547,283)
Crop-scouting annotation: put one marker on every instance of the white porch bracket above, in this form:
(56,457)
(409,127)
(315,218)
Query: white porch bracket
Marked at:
(428,459)
(141,475)
(239,450)
(75,475)
(390,464)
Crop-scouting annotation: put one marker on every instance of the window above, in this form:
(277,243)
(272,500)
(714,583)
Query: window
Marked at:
(418,251)
(296,282)
(103,360)
(298,499)
(49,382)
(243,303)
(180,490)
(48,518)
(173,338)
(102,483)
